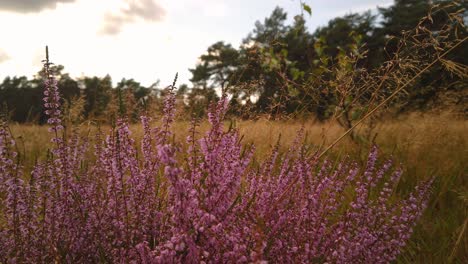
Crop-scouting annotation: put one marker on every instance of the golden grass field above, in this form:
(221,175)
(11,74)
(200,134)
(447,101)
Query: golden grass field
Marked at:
(426,145)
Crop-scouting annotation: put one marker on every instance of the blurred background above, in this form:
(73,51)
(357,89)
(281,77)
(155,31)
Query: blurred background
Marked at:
(271,57)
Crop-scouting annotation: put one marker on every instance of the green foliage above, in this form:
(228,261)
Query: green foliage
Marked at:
(303,72)
(283,68)
(307,8)
(97,96)
(216,67)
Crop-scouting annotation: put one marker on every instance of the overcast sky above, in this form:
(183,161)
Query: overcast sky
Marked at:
(141,39)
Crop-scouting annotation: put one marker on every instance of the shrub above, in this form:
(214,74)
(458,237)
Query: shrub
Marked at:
(203,201)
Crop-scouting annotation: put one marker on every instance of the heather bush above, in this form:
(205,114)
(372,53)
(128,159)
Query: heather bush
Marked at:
(106,199)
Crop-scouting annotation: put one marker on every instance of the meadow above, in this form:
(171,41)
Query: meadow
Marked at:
(354,150)
(426,145)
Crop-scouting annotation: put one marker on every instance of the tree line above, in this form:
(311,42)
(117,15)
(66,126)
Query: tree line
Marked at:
(340,69)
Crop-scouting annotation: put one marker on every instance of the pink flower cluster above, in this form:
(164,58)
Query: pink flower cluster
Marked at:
(200,202)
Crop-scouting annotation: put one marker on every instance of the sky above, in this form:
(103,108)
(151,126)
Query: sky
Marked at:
(147,40)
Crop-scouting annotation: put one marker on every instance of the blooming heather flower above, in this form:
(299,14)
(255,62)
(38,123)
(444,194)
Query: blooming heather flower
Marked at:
(52,104)
(158,204)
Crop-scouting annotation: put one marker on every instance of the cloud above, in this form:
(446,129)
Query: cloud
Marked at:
(147,10)
(28,6)
(3,56)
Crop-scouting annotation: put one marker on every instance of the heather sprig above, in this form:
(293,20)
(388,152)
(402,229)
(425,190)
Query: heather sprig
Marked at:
(51,98)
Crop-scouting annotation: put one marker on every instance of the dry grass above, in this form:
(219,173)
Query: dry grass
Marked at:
(34,139)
